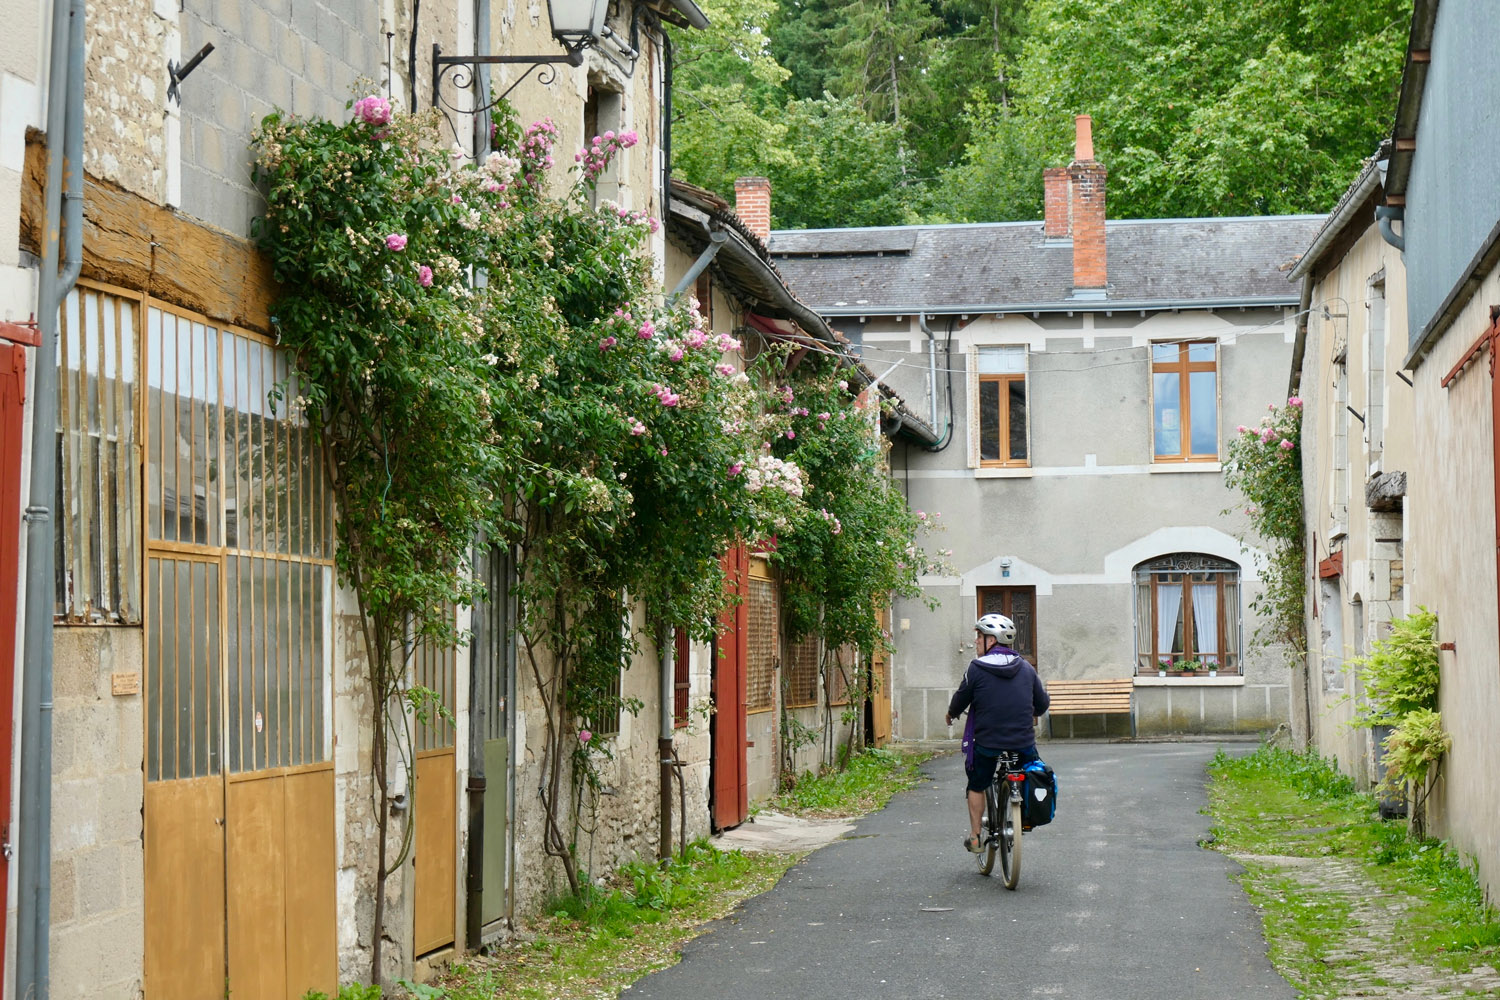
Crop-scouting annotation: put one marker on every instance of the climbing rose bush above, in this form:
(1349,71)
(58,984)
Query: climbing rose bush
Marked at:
(1264,465)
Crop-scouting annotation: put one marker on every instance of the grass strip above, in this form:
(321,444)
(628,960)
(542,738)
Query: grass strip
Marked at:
(864,785)
(1343,894)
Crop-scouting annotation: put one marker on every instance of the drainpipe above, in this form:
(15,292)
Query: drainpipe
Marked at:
(666,125)
(1385,215)
(664,646)
(716,239)
(64,213)
(480,697)
(931,366)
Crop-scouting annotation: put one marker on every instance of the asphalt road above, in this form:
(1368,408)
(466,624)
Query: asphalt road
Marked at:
(1116,901)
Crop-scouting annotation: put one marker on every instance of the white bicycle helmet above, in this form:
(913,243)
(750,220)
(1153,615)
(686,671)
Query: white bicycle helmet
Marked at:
(999,626)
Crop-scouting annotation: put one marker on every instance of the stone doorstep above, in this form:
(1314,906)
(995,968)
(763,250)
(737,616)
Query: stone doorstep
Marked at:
(773,832)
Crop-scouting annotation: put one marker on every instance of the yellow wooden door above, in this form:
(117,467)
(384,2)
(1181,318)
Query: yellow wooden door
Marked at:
(880,688)
(436,808)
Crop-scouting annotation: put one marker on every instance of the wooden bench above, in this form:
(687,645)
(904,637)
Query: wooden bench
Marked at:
(1108,696)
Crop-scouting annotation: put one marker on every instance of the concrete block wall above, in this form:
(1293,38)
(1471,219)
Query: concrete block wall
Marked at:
(98,865)
(302,57)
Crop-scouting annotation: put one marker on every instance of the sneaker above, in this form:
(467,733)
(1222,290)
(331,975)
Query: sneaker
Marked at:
(973,845)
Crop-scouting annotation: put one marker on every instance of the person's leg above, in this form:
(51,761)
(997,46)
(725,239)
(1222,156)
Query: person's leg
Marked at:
(976,811)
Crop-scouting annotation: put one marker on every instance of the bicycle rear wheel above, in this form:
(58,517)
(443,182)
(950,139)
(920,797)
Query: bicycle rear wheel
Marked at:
(989,831)
(1010,841)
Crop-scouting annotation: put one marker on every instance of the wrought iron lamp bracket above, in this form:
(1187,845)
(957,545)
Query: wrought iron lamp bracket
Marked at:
(461,71)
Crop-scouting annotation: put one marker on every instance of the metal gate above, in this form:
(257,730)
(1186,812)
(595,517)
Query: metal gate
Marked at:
(239,825)
(489,731)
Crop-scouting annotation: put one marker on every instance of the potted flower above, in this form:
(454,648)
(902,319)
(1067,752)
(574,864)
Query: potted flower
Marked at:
(1162,666)
(1189,667)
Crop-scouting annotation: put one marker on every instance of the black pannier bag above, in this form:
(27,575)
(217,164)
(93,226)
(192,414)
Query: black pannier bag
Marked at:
(1040,802)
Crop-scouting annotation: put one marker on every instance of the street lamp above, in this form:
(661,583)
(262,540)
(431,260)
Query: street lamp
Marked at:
(578,24)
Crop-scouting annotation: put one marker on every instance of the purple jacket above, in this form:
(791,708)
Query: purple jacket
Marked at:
(1004,695)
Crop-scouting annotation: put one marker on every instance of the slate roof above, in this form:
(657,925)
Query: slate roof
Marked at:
(1012,267)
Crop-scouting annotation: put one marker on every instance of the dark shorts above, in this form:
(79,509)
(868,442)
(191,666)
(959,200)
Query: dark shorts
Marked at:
(985,760)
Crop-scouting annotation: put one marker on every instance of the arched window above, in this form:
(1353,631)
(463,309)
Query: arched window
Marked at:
(1187,611)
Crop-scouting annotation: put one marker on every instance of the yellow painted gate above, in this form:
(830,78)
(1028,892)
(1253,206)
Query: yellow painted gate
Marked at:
(239,801)
(436,854)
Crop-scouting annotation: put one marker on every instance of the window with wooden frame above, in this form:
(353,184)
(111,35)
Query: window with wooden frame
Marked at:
(1004,431)
(97,506)
(681,679)
(802,673)
(1187,609)
(1185,402)
(762,625)
(239,558)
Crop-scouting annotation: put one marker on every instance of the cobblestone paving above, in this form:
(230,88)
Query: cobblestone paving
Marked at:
(1374,913)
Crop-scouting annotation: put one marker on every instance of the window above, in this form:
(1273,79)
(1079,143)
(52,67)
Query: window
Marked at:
(98,540)
(1003,430)
(1375,375)
(239,568)
(1019,605)
(604,111)
(762,618)
(681,678)
(1187,609)
(802,673)
(1185,402)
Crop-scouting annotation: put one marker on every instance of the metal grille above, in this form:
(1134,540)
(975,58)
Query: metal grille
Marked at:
(802,673)
(436,668)
(183,726)
(279,668)
(236,499)
(491,642)
(98,541)
(762,621)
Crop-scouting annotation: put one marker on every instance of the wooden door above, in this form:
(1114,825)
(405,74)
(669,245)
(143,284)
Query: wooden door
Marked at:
(12,398)
(731,800)
(880,685)
(1019,605)
(436,809)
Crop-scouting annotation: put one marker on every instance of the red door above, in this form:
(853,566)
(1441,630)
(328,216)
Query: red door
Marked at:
(12,395)
(731,796)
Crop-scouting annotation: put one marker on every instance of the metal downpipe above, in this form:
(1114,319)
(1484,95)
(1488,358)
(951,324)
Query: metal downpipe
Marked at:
(64,213)
(931,367)
(664,646)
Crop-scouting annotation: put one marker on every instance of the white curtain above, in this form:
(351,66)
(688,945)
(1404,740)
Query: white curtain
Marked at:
(1206,620)
(1168,607)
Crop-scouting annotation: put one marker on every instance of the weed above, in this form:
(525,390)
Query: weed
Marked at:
(867,782)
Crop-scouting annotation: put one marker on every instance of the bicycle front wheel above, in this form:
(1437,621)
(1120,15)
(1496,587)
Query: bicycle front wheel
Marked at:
(989,831)
(1010,842)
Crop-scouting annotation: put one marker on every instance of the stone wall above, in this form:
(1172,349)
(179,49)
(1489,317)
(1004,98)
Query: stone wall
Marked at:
(97,795)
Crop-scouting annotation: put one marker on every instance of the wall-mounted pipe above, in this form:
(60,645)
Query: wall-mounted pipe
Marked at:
(716,239)
(63,226)
(664,646)
(1385,215)
(931,365)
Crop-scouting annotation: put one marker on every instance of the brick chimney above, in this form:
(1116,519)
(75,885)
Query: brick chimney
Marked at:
(752,203)
(1086,179)
(1058,211)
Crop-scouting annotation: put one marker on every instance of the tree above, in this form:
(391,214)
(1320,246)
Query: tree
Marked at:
(1214,107)
(882,54)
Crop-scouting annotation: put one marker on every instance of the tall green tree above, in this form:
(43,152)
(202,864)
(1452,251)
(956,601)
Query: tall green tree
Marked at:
(883,47)
(1215,107)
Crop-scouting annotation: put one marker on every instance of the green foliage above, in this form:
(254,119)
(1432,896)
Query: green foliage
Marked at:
(1200,107)
(1274,802)
(865,782)
(1264,464)
(350,991)
(1401,672)
(1417,742)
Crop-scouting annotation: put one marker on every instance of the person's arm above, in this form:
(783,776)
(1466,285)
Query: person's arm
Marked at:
(1040,700)
(961,698)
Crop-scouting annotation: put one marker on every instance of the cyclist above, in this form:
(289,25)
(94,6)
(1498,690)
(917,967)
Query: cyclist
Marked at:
(1004,697)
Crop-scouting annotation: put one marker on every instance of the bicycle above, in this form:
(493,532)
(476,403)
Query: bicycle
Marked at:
(1002,819)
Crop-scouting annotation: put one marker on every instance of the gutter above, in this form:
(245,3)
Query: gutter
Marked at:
(1073,306)
(64,214)
(1344,213)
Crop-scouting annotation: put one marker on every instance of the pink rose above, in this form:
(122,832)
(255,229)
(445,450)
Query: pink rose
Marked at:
(424,275)
(373,110)
(584,736)
(647,330)
(1295,401)
(1286,445)
(734,469)
(395,241)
